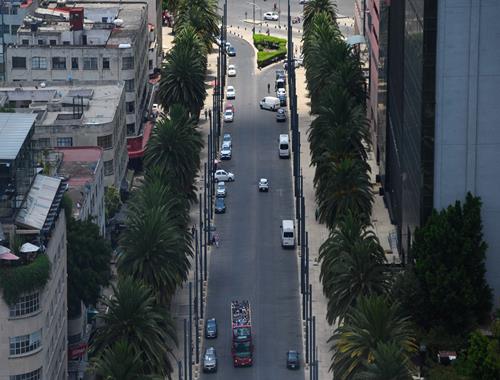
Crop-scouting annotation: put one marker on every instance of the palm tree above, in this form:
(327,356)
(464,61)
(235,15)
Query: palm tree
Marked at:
(175,146)
(371,322)
(202,15)
(351,266)
(120,362)
(389,363)
(314,7)
(342,187)
(134,317)
(155,250)
(188,38)
(340,130)
(183,80)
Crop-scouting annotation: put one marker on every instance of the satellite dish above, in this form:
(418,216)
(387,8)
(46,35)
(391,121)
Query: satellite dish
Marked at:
(43,84)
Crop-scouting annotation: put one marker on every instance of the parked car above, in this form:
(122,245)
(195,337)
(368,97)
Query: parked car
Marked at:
(282,99)
(224,176)
(270,103)
(211,328)
(280,115)
(292,360)
(231,51)
(231,71)
(280,92)
(263,185)
(226,151)
(228,116)
(271,16)
(227,138)
(210,360)
(220,206)
(230,92)
(221,189)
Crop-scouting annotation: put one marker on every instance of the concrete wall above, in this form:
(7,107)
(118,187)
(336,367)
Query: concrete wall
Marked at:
(467,139)
(50,318)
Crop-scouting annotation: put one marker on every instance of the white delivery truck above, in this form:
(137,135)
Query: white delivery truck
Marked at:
(284,146)
(287,234)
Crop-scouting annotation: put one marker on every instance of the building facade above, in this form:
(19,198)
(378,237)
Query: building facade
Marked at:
(33,324)
(87,42)
(74,115)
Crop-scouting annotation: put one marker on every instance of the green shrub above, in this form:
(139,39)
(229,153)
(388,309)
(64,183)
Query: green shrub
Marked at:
(267,41)
(270,49)
(265,58)
(17,280)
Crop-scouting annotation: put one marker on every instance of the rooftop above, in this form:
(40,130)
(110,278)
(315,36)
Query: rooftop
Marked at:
(54,103)
(14,128)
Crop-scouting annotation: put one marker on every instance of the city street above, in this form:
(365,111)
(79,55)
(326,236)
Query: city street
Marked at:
(250,263)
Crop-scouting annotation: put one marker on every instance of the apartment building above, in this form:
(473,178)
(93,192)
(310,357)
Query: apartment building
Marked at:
(80,114)
(88,41)
(33,323)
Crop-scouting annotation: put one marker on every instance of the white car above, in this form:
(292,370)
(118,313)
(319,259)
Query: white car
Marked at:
(223,176)
(231,71)
(221,189)
(230,92)
(226,152)
(228,116)
(263,184)
(272,16)
(280,92)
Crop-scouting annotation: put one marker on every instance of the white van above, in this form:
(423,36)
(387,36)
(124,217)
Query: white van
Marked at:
(284,146)
(270,103)
(287,234)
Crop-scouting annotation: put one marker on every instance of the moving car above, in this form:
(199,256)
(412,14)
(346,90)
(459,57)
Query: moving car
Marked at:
(270,103)
(231,51)
(280,115)
(284,146)
(272,16)
(211,328)
(228,116)
(230,92)
(221,190)
(231,71)
(226,152)
(263,184)
(224,176)
(220,206)
(292,360)
(287,234)
(210,360)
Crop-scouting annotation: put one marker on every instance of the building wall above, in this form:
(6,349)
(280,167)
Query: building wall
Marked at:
(135,78)
(467,115)
(51,319)
(93,205)
(115,157)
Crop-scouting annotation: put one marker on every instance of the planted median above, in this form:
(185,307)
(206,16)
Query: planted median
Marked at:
(270,49)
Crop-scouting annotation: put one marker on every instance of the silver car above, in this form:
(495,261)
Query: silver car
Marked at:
(226,152)
(221,190)
(210,360)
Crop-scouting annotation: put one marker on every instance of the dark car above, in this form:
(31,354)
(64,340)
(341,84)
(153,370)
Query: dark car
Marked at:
(280,115)
(211,329)
(220,206)
(231,51)
(292,360)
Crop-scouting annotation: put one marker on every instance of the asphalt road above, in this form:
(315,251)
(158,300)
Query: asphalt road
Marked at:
(250,263)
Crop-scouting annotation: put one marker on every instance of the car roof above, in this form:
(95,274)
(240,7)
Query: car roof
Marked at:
(263,179)
(227,135)
(210,350)
(230,87)
(220,184)
(212,319)
(292,353)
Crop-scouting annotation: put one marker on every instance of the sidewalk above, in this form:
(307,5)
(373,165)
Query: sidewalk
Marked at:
(180,301)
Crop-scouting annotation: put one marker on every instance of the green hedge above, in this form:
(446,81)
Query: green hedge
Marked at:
(16,280)
(276,45)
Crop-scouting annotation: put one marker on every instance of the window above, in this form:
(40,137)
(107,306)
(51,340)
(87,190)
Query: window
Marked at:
(39,63)
(52,42)
(127,63)
(129,85)
(64,141)
(66,42)
(108,167)
(25,42)
(14,9)
(58,63)
(5,28)
(23,344)
(90,63)
(41,42)
(105,142)
(74,63)
(130,107)
(14,28)
(43,143)
(33,375)
(105,63)
(150,64)
(18,62)
(130,129)
(26,304)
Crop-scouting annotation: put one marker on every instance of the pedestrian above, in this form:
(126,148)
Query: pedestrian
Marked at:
(210,114)
(216,236)
(206,114)
(245,15)
(269,88)
(193,230)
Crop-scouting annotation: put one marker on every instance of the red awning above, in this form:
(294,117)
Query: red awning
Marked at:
(136,146)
